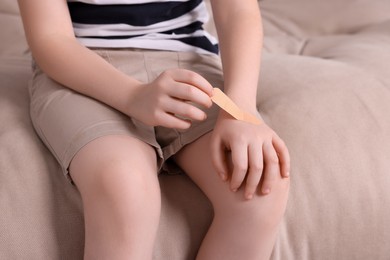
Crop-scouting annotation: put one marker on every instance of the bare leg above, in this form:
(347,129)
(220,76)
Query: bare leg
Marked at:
(240,229)
(117,179)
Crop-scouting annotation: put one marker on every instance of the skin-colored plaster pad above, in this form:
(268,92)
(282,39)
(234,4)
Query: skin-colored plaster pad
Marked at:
(231,108)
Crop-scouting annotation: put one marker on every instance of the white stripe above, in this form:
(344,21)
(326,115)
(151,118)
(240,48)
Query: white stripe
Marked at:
(159,36)
(167,45)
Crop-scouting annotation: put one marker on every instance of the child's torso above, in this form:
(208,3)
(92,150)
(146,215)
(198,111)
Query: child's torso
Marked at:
(159,24)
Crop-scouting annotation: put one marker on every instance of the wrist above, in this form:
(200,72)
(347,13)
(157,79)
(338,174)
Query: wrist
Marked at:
(244,102)
(125,94)
(228,105)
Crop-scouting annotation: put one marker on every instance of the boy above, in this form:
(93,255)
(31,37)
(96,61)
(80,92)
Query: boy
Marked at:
(122,89)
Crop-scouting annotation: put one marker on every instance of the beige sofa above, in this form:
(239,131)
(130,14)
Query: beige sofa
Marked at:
(325,88)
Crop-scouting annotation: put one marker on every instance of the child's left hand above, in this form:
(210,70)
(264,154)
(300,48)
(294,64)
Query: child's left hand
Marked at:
(257,153)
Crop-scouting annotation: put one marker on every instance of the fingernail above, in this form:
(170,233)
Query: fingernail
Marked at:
(287,174)
(223,176)
(266,191)
(249,196)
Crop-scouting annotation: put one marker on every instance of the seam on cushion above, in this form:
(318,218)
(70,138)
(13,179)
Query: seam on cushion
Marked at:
(303,47)
(280,28)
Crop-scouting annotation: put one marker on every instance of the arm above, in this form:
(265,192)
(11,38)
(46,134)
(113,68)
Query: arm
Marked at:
(51,39)
(240,34)
(52,42)
(256,151)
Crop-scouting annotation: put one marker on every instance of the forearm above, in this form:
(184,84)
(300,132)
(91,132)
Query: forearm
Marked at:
(240,34)
(82,70)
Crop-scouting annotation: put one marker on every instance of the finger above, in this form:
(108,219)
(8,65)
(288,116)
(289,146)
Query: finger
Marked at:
(284,156)
(219,158)
(239,153)
(184,91)
(255,156)
(171,121)
(184,109)
(271,170)
(194,79)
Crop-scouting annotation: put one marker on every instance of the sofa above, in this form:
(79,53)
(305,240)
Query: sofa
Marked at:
(324,88)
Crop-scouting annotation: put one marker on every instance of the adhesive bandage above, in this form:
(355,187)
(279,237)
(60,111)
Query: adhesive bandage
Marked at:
(231,108)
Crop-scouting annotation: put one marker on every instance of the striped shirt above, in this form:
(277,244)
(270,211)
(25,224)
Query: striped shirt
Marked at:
(173,25)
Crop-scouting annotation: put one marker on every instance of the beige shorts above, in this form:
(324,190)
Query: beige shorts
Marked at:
(66,120)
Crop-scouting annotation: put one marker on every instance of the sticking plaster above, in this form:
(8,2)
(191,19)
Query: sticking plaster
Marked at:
(230,107)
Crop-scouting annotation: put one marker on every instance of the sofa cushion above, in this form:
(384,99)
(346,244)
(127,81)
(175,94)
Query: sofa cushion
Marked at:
(13,43)
(9,6)
(289,23)
(325,88)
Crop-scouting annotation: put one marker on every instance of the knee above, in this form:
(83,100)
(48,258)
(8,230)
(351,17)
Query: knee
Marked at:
(117,180)
(264,211)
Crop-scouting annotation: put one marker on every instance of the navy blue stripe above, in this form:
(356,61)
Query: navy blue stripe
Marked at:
(134,14)
(201,42)
(191,28)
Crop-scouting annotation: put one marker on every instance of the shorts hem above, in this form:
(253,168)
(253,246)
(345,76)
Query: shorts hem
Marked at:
(105,129)
(185,139)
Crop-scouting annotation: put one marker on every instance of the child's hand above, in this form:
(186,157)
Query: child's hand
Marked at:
(258,155)
(170,100)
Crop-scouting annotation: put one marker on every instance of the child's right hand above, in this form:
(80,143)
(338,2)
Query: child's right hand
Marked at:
(167,101)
